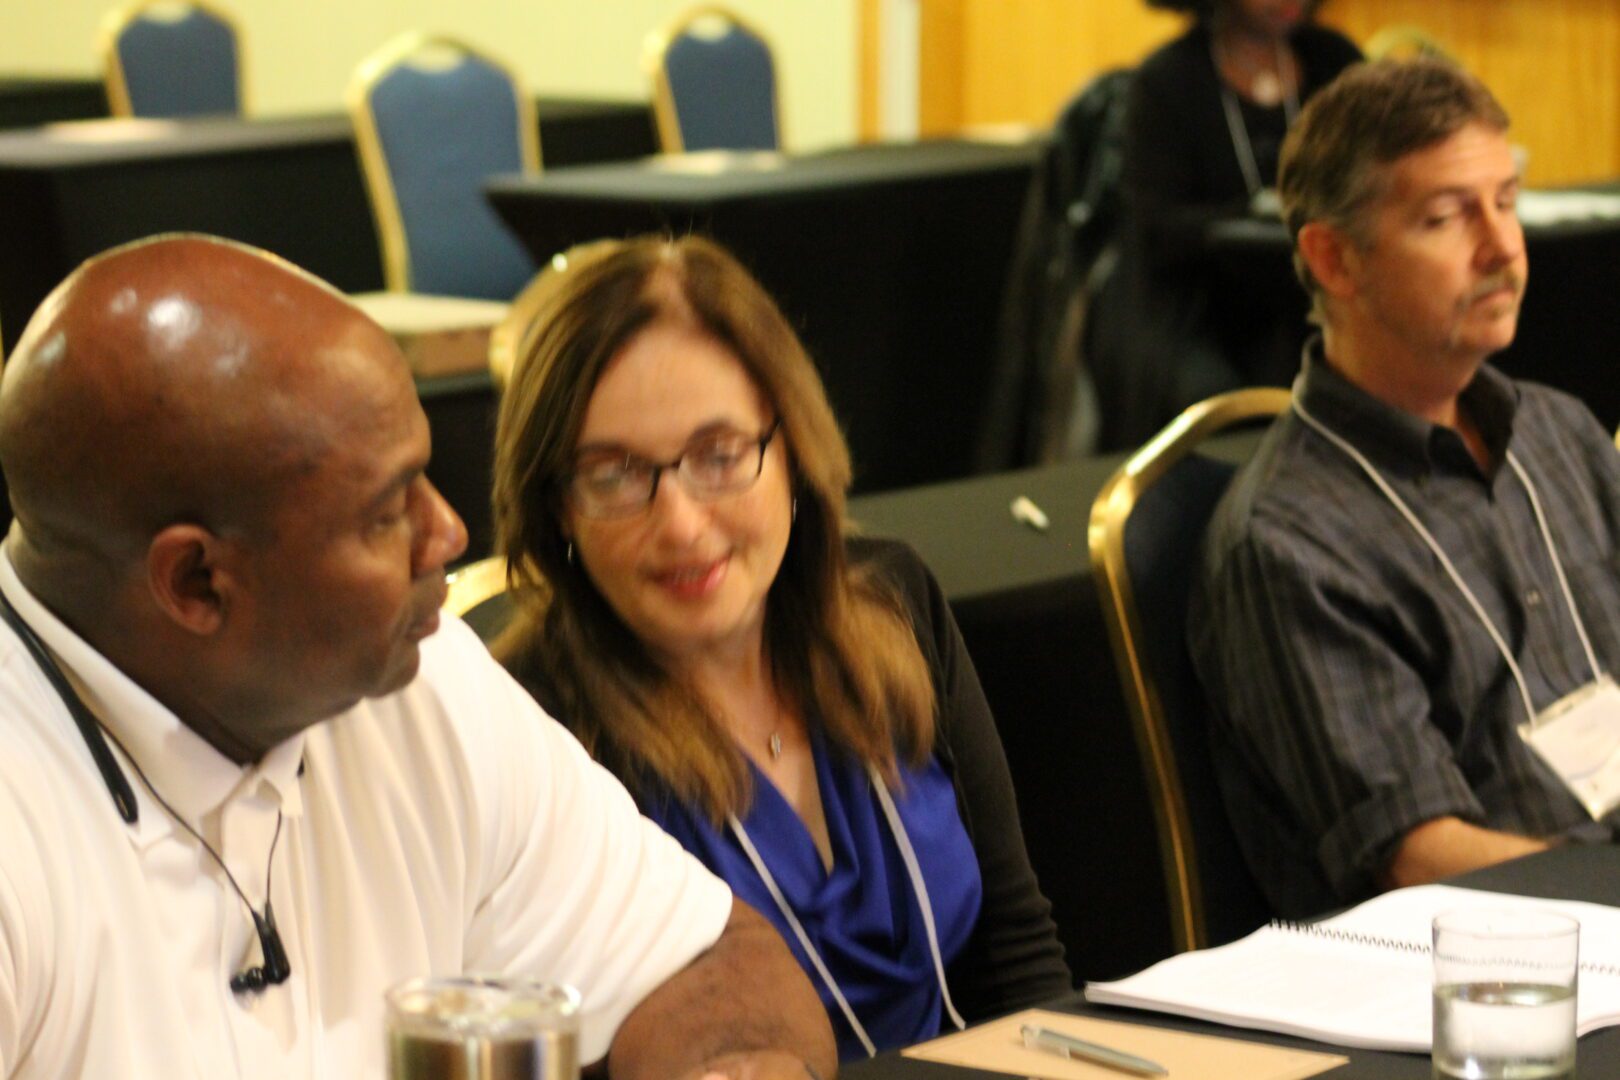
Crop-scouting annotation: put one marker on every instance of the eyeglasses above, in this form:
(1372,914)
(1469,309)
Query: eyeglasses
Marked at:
(611,484)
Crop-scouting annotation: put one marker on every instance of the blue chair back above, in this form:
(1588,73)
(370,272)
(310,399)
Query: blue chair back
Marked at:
(162,67)
(1147,526)
(714,91)
(430,134)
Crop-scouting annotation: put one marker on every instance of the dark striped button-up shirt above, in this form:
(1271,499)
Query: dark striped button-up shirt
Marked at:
(1356,694)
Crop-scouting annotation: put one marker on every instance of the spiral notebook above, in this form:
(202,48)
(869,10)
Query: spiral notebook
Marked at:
(1361,978)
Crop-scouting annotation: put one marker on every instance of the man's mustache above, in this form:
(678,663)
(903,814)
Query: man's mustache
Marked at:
(1502,279)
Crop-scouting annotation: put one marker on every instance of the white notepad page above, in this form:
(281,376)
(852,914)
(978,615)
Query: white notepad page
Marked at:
(1362,978)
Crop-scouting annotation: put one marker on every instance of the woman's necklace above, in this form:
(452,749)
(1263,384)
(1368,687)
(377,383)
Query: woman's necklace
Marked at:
(775,744)
(1279,84)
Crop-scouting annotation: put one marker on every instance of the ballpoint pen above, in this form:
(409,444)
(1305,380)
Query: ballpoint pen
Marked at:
(1055,1042)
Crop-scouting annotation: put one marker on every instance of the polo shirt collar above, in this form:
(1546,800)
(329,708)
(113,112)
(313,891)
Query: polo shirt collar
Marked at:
(1396,439)
(194,778)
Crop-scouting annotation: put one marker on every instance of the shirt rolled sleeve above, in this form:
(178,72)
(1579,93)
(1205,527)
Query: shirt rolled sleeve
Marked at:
(1322,704)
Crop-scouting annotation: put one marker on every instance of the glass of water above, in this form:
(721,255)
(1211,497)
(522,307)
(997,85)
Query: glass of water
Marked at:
(478,1027)
(1504,995)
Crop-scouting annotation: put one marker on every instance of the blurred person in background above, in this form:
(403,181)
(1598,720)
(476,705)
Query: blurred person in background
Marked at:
(1205,122)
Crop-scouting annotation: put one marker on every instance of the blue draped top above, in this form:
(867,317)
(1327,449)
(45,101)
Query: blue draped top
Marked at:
(862,915)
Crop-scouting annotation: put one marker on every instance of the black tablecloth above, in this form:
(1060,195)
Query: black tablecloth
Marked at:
(890,261)
(1572,873)
(1568,327)
(29,100)
(291,185)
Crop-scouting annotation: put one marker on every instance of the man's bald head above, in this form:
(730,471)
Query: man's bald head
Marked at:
(178,379)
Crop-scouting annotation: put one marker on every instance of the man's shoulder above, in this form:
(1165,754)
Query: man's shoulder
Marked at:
(1547,409)
(1286,490)
(460,704)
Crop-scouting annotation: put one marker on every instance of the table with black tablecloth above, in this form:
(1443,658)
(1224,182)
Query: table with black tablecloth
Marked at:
(890,260)
(30,100)
(292,186)
(1569,326)
(1569,873)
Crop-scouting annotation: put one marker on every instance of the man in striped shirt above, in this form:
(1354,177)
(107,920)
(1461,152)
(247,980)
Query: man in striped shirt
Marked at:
(1422,554)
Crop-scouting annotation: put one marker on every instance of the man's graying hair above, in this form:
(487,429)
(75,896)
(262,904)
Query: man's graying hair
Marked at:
(1334,161)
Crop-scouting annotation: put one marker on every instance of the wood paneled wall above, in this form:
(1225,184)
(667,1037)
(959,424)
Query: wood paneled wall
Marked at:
(1554,63)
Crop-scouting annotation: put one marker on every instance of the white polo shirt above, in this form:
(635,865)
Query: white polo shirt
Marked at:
(451,827)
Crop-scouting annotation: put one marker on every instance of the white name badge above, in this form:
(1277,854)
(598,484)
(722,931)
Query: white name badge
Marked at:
(1579,737)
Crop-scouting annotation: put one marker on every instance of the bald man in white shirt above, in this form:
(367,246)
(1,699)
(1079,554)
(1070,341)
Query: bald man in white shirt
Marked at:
(248,780)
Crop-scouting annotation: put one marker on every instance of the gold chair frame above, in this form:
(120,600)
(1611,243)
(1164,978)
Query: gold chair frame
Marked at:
(118,19)
(1398,39)
(384,198)
(1106,537)
(511,337)
(475,583)
(657,44)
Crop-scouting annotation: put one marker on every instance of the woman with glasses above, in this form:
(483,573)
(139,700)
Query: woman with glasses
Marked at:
(793,705)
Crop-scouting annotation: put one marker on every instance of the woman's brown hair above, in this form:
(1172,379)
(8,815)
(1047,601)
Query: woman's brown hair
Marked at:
(840,644)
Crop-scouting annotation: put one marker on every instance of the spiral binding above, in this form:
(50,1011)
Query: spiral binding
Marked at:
(1348,937)
(1351,937)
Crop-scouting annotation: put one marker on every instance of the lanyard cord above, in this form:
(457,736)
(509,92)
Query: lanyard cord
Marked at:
(1239,130)
(908,855)
(269,917)
(798,932)
(913,868)
(1451,571)
(275,968)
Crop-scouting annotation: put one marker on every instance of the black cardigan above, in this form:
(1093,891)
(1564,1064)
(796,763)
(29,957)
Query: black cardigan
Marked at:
(1181,170)
(1013,959)
(1171,328)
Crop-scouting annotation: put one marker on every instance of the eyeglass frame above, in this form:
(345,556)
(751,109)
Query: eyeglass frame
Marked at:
(569,479)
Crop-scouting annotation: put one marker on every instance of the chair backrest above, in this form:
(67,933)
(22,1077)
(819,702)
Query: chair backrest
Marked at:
(478,595)
(714,83)
(1043,406)
(171,59)
(513,336)
(1405,42)
(433,118)
(1146,528)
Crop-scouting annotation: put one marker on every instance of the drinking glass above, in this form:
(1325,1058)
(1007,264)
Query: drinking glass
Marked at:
(1504,995)
(477,1027)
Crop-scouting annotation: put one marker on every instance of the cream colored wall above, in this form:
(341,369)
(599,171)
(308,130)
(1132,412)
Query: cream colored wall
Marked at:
(300,52)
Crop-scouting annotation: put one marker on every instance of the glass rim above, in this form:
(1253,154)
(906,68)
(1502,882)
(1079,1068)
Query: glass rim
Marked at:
(1506,924)
(409,1004)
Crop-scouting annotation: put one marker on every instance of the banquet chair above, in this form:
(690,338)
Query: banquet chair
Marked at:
(1146,527)
(171,59)
(1401,41)
(477,594)
(513,336)
(714,83)
(433,117)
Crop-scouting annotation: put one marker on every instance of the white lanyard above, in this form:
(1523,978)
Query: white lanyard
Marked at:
(1451,571)
(913,870)
(1241,147)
